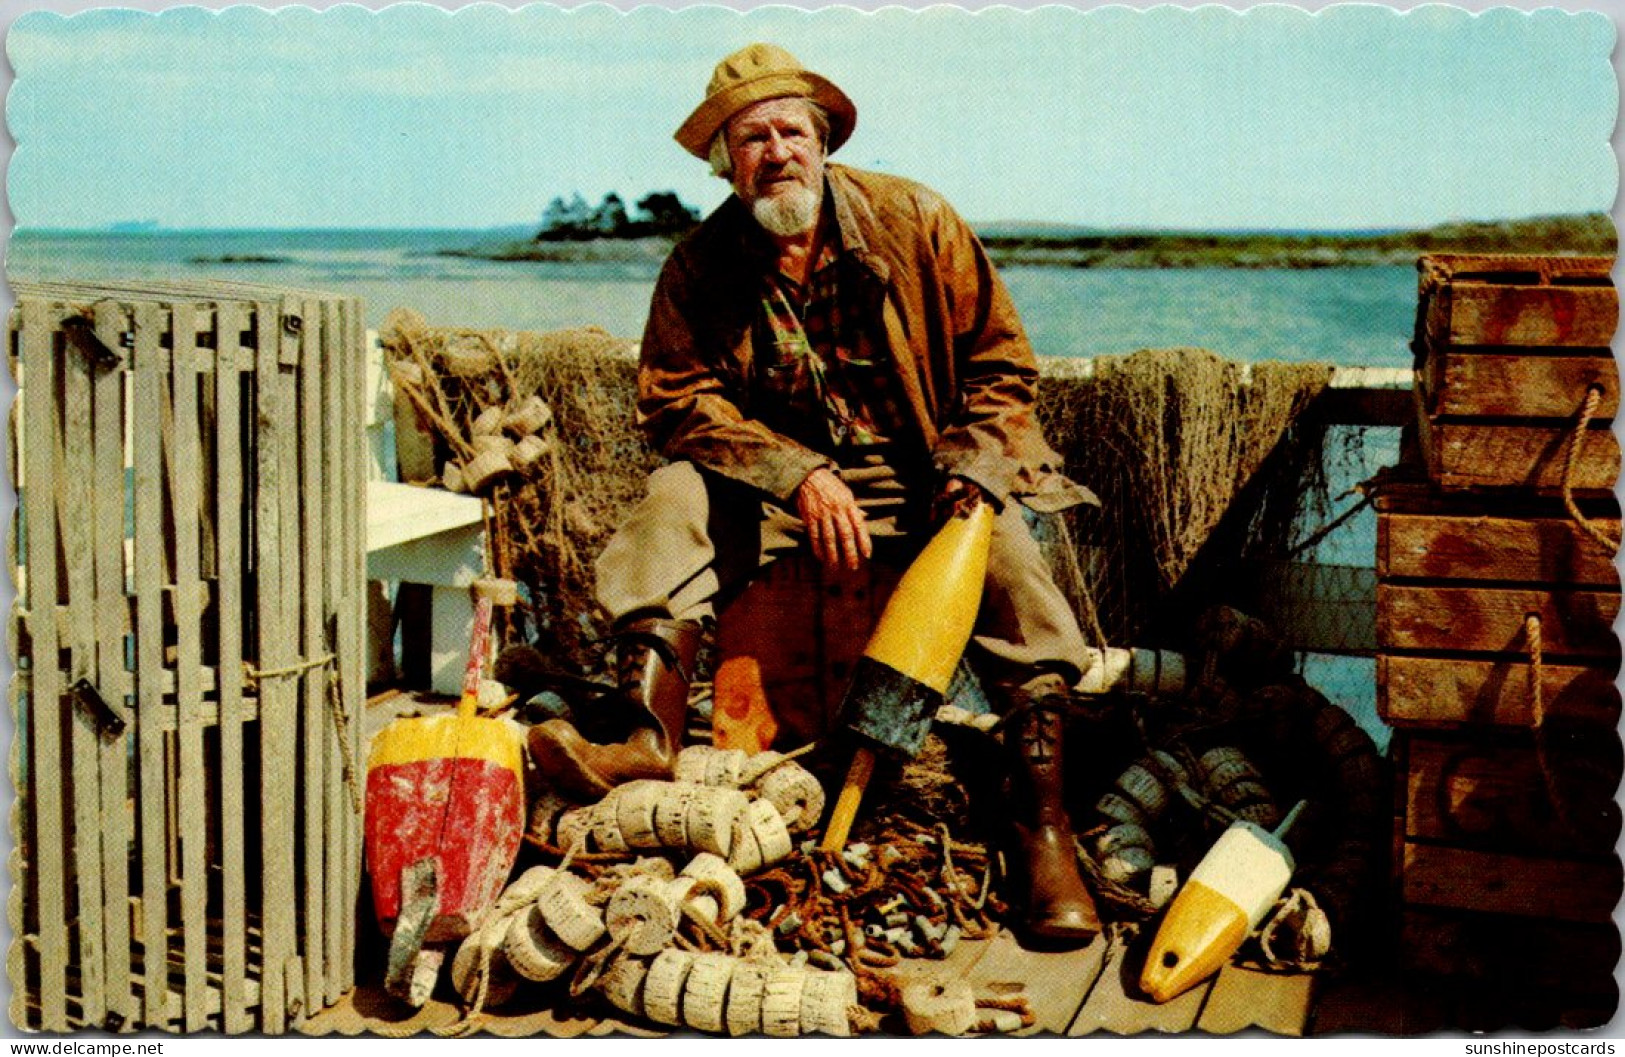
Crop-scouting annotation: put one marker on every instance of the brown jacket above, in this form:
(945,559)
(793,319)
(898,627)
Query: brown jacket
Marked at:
(946,324)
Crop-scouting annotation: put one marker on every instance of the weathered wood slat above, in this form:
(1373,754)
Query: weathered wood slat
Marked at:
(353,538)
(76,503)
(1496,797)
(1552,551)
(1539,954)
(229,467)
(316,734)
(1117,1005)
(146,418)
(335,799)
(192,786)
(272,415)
(1500,314)
(1055,982)
(1472,455)
(1498,883)
(1507,385)
(112,680)
(46,701)
(1491,620)
(1245,998)
(1430,691)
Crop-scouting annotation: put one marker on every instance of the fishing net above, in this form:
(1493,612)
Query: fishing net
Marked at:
(1199,462)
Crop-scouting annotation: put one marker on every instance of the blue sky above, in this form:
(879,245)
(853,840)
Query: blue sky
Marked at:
(1355,116)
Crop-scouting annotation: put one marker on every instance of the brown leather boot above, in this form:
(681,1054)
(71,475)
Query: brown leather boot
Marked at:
(1059,907)
(654,665)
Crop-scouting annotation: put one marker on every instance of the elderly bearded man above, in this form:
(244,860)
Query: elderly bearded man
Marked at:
(830,359)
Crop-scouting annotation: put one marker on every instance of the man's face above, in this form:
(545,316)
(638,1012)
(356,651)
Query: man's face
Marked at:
(778,164)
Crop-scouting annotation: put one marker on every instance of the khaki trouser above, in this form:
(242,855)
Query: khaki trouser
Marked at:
(698,538)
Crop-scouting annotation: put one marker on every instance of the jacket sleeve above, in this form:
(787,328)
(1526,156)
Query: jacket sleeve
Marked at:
(992,433)
(690,396)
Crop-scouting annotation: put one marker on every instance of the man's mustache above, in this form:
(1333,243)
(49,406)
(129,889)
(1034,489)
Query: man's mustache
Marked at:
(791,169)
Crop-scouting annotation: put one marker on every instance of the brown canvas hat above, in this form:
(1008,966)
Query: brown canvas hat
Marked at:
(755,73)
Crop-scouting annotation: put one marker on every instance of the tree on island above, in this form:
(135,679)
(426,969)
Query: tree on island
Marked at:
(659,213)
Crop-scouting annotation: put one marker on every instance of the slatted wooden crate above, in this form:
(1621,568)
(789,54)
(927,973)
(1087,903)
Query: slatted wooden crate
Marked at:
(1508,349)
(190,577)
(1504,740)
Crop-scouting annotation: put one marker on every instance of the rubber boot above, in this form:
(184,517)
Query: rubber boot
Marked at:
(1059,907)
(654,665)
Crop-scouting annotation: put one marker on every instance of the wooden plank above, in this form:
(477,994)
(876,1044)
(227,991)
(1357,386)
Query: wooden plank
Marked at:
(46,702)
(351,617)
(1055,982)
(230,572)
(76,502)
(1495,796)
(1501,314)
(191,786)
(1508,385)
(272,415)
(1538,954)
(151,790)
(1117,1005)
(1474,455)
(337,818)
(1499,883)
(1551,551)
(112,679)
(317,728)
(1278,1003)
(1431,691)
(1424,617)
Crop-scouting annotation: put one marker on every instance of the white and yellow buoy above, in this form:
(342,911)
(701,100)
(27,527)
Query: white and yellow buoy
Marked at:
(1223,900)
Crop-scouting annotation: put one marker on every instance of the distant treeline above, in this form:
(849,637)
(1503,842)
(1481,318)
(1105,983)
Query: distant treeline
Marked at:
(574,231)
(659,214)
(1590,233)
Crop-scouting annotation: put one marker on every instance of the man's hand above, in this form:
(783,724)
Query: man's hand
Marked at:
(958,498)
(835,526)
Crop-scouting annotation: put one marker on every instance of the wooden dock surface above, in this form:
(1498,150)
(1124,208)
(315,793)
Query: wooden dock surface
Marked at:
(1072,993)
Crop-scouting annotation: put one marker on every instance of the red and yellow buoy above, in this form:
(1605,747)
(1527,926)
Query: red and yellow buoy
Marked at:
(445,818)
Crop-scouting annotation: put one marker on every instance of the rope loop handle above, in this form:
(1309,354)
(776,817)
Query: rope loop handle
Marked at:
(1588,410)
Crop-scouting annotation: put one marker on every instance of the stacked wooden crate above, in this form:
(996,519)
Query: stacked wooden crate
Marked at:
(1497,656)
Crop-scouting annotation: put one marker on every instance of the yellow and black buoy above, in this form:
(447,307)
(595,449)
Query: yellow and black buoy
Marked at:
(905,670)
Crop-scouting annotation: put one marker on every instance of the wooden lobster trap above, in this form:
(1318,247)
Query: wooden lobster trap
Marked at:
(189,560)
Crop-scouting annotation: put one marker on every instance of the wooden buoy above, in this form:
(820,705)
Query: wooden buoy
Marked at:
(781,1003)
(533,950)
(563,904)
(826,998)
(622,984)
(531,416)
(480,957)
(452,479)
(523,891)
(711,815)
(772,835)
(488,466)
(947,1006)
(486,424)
(466,357)
(796,793)
(745,990)
(528,453)
(573,827)
(606,826)
(642,915)
(663,987)
(713,877)
(705,992)
(671,815)
(635,804)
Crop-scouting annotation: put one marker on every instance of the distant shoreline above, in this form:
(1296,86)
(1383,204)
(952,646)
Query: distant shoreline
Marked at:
(1589,234)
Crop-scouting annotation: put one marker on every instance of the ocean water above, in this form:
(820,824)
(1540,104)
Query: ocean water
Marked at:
(1345,316)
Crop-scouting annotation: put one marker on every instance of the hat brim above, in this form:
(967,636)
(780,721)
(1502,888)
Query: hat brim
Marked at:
(696,133)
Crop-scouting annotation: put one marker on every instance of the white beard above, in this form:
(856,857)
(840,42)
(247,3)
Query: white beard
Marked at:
(787,213)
